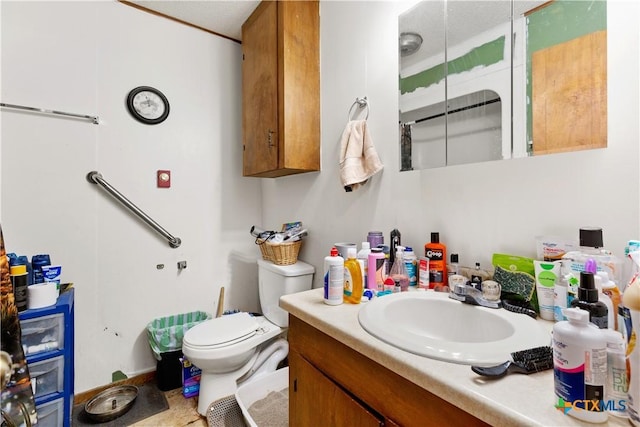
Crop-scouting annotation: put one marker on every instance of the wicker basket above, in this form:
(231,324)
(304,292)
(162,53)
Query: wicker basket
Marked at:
(280,253)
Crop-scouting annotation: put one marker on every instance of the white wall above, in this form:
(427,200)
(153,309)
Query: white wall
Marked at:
(85,57)
(478,209)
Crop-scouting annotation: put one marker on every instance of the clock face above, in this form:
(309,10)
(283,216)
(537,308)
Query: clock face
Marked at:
(148,105)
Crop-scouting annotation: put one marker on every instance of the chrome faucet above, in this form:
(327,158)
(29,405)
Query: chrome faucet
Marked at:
(470,295)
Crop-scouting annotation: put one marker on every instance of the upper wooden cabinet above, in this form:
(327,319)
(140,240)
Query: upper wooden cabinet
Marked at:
(281,89)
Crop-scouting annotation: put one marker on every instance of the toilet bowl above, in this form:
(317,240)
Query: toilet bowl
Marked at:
(240,347)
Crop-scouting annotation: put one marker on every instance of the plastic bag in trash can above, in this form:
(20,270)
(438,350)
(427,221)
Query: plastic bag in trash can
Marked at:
(165,333)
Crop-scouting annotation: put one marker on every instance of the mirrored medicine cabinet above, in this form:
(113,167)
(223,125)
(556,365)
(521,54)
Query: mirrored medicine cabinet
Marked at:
(484,80)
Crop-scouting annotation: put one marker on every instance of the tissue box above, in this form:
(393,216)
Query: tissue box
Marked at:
(190,378)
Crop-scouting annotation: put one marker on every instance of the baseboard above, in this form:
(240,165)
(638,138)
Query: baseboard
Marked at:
(138,380)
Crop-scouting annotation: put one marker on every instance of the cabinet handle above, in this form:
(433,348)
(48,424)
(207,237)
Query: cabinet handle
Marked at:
(270,138)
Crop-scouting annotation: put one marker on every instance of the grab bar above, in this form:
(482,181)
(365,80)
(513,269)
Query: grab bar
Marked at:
(96,178)
(94,119)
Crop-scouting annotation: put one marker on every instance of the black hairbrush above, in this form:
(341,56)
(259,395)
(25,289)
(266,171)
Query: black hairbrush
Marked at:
(518,306)
(523,362)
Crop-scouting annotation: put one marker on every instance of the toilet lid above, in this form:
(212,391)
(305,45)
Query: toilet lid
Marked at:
(222,331)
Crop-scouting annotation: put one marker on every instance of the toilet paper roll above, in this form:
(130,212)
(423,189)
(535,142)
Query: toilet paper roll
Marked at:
(42,295)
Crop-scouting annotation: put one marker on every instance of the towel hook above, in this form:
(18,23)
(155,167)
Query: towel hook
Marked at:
(360,103)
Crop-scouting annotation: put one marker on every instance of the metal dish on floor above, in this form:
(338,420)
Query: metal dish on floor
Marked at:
(111,403)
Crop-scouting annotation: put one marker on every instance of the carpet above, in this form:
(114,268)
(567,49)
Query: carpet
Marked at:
(150,401)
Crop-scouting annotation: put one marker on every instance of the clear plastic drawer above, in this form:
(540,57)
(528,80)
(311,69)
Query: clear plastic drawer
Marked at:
(43,334)
(51,414)
(47,376)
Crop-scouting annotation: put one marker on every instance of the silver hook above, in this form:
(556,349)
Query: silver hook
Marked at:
(361,103)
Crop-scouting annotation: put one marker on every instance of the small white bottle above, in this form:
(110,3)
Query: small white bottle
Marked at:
(363,256)
(606,300)
(411,264)
(580,366)
(617,386)
(560,298)
(333,278)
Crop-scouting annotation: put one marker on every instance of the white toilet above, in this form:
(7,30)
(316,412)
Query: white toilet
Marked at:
(234,348)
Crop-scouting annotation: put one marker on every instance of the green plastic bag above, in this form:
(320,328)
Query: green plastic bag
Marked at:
(165,334)
(516,275)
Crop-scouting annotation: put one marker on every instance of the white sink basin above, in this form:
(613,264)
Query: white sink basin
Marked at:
(431,324)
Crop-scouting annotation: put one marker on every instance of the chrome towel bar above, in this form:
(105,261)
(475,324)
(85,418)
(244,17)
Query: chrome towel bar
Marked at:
(96,178)
(94,119)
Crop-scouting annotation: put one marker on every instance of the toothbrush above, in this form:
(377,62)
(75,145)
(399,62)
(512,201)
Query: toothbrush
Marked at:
(523,362)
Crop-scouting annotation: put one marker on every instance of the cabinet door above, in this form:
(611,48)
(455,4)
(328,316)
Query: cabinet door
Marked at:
(315,400)
(260,90)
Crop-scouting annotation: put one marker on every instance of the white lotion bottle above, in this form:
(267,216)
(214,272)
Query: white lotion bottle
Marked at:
(580,366)
(333,278)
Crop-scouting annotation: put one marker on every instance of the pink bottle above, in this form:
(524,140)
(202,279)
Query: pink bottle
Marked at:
(377,269)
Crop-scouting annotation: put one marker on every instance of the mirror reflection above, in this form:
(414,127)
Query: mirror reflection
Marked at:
(471,92)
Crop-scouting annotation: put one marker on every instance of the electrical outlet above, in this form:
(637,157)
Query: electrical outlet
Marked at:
(164,178)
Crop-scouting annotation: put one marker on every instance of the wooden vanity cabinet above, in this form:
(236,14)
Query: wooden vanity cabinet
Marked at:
(331,384)
(281,89)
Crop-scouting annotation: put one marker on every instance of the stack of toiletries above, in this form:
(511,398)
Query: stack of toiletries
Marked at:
(36,283)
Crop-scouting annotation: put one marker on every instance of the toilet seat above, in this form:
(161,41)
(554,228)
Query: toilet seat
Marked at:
(222,331)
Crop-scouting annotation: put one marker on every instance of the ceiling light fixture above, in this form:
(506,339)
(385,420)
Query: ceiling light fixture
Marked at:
(409,43)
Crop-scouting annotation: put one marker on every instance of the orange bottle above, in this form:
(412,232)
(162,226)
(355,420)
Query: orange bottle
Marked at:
(437,254)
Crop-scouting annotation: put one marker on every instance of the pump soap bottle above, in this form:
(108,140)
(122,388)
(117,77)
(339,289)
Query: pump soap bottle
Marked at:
(588,300)
(399,271)
(580,366)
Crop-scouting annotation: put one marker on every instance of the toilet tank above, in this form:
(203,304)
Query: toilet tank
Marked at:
(275,281)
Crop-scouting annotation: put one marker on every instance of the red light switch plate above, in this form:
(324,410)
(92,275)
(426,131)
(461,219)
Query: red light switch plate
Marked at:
(164,178)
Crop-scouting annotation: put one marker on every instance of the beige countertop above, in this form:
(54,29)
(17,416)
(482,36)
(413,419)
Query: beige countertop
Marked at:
(514,400)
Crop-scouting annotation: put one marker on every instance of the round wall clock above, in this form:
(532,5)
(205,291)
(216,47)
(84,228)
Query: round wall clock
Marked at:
(148,105)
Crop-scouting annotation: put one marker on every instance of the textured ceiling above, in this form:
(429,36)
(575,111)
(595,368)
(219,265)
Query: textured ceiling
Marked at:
(223,17)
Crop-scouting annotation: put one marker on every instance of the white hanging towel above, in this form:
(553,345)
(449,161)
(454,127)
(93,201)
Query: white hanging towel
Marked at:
(359,160)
